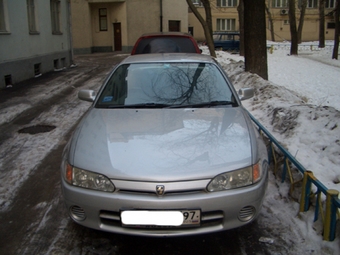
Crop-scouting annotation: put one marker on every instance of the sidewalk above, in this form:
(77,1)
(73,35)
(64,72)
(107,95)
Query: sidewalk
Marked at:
(21,97)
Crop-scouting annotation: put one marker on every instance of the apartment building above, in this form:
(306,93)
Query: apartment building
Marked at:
(225,18)
(34,38)
(115,25)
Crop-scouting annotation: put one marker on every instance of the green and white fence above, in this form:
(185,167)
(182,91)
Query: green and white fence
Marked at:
(328,202)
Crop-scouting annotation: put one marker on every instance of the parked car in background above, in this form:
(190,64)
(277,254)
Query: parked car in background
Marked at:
(228,41)
(165,42)
(166,149)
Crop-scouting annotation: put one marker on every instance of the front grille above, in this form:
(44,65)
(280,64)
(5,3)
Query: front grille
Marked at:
(161,189)
(166,193)
(208,219)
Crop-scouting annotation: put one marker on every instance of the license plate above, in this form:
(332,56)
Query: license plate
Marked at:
(161,218)
(191,217)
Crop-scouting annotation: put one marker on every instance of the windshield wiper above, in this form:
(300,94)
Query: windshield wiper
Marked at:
(143,105)
(205,104)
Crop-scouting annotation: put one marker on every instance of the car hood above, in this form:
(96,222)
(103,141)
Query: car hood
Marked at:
(162,144)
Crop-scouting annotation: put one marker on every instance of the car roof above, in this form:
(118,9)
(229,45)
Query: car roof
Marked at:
(168,57)
(227,33)
(159,34)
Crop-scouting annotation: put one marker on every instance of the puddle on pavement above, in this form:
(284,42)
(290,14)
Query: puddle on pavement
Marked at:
(36,129)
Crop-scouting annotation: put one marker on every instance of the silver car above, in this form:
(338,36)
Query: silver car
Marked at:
(166,149)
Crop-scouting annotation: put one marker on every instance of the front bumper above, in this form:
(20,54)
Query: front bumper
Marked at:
(219,210)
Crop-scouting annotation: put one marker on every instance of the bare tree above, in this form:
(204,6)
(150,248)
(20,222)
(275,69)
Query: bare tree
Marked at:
(271,22)
(293,30)
(321,23)
(255,37)
(206,23)
(240,9)
(336,33)
(303,7)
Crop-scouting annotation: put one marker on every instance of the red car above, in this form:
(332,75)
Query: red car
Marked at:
(165,42)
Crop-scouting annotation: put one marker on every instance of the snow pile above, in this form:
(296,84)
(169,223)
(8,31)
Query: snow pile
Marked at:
(310,132)
(303,114)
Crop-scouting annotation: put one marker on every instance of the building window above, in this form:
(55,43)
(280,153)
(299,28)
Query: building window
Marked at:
(174,26)
(31,16)
(103,19)
(330,3)
(37,71)
(226,3)
(331,25)
(280,3)
(55,16)
(197,2)
(312,3)
(8,80)
(3,27)
(226,25)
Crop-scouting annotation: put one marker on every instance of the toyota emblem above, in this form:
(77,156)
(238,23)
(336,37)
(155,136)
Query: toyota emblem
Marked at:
(160,190)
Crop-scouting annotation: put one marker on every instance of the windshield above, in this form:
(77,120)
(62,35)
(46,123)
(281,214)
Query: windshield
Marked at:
(165,85)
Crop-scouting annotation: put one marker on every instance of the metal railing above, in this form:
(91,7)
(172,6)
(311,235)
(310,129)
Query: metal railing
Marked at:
(327,207)
(302,48)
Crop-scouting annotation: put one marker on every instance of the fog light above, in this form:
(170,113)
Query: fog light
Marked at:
(247,213)
(77,213)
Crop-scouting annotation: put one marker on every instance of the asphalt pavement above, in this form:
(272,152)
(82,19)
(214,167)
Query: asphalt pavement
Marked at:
(33,217)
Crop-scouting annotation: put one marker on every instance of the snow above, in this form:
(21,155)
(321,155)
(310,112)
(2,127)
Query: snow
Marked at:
(299,105)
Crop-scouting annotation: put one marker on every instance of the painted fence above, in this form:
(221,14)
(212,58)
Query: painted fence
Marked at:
(328,202)
(301,47)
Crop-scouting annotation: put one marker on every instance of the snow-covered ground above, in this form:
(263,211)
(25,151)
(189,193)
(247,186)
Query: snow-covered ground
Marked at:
(299,105)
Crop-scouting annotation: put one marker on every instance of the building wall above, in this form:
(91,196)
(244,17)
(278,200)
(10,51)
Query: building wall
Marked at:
(143,17)
(81,27)
(175,10)
(135,17)
(149,18)
(217,13)
(195,25)
(21,50)
(102,41)
(310,30)
(87,37)
(281,24)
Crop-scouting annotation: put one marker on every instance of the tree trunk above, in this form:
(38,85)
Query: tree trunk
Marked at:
(255,38)
(337,28)
(293,30)
(271,22)
(240,9)
(207,28)
(302,19)
(208,16)
(321,23)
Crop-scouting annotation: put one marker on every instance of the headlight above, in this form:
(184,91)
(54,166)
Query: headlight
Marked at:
(87,179)
(236,179)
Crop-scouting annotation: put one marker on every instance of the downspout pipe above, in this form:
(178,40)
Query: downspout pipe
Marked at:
(70,32)
(161,16)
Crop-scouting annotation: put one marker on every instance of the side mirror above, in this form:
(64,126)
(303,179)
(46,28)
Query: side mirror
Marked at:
(245,93)
(87,95)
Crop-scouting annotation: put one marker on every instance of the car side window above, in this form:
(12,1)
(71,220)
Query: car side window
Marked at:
(115,91)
